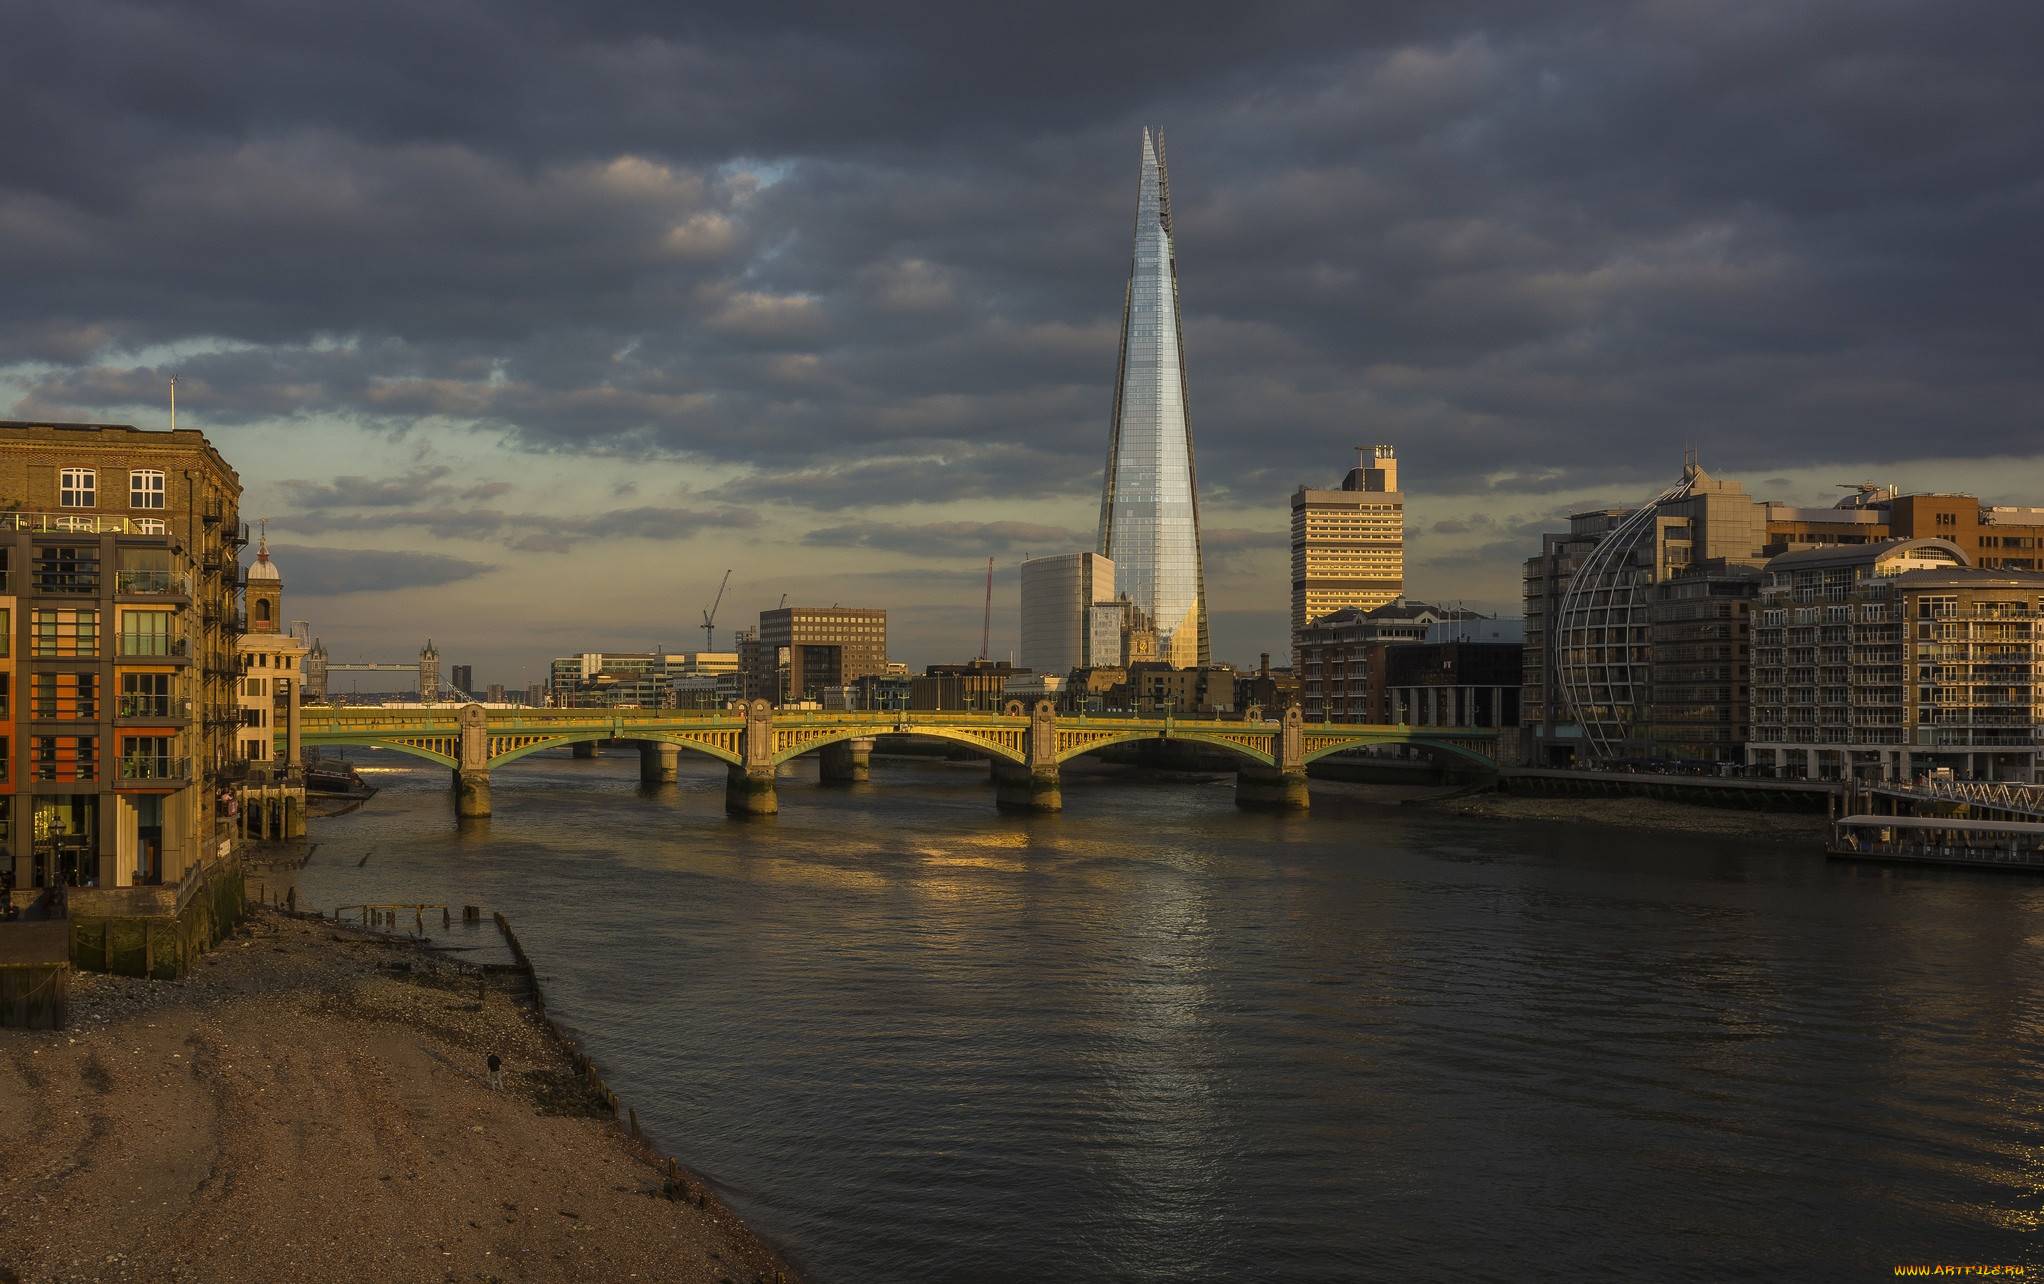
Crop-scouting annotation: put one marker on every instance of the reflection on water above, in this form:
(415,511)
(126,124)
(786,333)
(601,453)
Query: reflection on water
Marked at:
(1155,1038)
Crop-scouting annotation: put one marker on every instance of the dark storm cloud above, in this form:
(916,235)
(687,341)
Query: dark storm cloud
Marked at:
(950,539)
(527,532)
(330,572)
(872,256)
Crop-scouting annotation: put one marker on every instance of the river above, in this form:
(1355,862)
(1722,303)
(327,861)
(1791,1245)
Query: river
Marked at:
(1156,1038)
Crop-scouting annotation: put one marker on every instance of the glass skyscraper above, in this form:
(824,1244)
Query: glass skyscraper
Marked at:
(1149,508)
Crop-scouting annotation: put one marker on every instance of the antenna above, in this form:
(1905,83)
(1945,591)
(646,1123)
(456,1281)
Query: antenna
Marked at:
(173,403)
(986,623)
(710,616)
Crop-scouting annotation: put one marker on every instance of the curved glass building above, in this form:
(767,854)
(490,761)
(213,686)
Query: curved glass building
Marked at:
(1149,508)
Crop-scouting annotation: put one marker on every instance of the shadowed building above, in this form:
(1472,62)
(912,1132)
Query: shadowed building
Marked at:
(1059,599)
(1149,508)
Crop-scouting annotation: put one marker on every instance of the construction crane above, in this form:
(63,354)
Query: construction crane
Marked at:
(710,616)
(986,621)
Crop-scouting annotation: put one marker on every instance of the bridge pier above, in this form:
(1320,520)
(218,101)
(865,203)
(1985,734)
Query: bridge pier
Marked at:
(586,749)
(847,761)
(1019,788)
(749,785)
(659,762)
(1035,785)
(1282,785)
(471,793)
(1271,788)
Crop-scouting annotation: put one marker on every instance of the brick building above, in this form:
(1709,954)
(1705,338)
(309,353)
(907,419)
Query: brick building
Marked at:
(119,562)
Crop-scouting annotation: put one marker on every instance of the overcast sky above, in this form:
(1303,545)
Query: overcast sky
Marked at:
(523,322)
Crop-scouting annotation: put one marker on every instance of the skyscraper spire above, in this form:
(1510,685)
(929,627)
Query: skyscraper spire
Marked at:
(1149,508)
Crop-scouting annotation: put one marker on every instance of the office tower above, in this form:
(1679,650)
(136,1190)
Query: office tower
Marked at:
(1149,507)
(121,557)
(803,649)
(1058,594)
(1348,545)
(464,678)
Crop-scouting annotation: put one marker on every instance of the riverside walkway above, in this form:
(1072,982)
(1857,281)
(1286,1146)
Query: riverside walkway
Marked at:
(1026,745)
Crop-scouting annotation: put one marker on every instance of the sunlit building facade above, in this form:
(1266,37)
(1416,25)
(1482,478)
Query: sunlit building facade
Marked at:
(1149,507)
(1348,545)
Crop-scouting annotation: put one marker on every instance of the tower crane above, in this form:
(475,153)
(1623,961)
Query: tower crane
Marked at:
(710,616)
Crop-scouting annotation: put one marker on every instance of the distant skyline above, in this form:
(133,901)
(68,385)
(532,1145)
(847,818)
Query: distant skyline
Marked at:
(543,316)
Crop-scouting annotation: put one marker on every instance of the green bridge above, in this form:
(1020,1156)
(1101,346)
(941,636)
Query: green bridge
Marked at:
(1026,745)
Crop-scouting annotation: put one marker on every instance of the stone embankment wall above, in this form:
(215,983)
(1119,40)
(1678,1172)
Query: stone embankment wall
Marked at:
(155,931)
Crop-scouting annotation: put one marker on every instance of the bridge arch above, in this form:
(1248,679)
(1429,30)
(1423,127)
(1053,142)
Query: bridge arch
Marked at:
(556,740)
(970,739)
(399,746)
(1093,744)
(1437,744)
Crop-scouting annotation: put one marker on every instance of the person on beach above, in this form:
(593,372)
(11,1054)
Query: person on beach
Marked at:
(496,1071)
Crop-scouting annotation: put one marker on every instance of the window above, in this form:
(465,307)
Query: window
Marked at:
(145,633)
(66,633)
(65,697)
(149,758)
(145,488)
(67,758)
(146,695)
(77,488)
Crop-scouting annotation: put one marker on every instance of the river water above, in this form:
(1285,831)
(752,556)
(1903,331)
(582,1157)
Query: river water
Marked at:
(1158,1039)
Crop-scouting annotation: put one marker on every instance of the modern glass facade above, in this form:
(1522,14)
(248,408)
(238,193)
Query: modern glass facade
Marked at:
(1149,508)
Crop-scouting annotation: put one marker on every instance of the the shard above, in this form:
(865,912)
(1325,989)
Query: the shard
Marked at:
(1149,508)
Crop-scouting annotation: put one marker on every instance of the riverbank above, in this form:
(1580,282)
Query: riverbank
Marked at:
(1641,813)
(313,1104)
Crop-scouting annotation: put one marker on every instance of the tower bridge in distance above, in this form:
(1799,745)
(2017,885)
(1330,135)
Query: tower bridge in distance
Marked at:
(1027,746)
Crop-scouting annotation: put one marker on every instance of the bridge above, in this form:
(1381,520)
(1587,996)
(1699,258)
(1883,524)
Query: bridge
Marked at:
(1026,745)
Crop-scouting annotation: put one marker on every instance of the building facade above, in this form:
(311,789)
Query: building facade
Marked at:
(119,563)
(1348,545)
(271,685)
(1700,628)
(1149,505)
(1061,596)
(800,650)
(1342,669)
(1452,684)
(1882,661)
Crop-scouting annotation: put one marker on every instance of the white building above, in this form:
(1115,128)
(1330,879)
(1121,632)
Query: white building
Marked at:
(1057,596)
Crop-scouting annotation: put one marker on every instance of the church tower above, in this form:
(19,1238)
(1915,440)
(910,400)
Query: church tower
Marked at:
(263,593)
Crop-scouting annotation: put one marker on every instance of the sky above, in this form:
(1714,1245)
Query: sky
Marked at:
(524,322)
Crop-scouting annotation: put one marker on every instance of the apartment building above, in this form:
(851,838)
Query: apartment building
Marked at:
(119,563)
(800,650)
(1883,660)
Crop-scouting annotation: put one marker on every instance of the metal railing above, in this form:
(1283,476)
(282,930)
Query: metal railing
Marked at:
(147,644)
(152,582)
(154,706)
(82,523)
(153,767)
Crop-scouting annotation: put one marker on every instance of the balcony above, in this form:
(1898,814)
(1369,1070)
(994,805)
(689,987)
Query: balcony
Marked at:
(155,707)
(156,768)
(82,524)
(168,583)
(140,645)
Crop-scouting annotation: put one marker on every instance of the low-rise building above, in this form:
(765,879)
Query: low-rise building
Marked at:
(1341,665)
(800,650)
(1452,684)
(270,687)
(974,686)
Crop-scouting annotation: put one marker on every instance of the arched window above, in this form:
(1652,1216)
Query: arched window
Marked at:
(263,610)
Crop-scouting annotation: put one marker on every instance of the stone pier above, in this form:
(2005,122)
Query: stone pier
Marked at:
(472,777)
(1281,787)
(749,787)
(659,762)
(847,761)
(1034,785)
(586,749)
